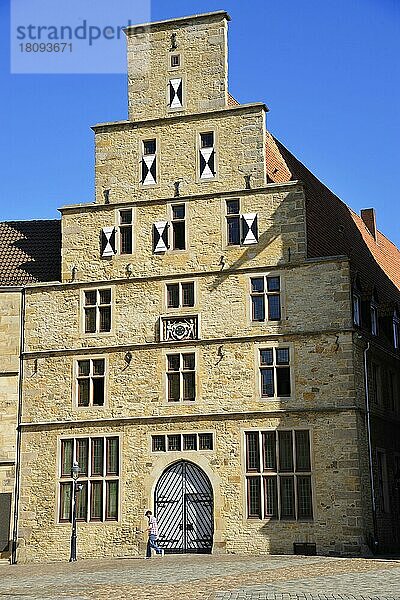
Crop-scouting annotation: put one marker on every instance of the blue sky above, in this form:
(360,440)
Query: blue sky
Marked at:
(328,71)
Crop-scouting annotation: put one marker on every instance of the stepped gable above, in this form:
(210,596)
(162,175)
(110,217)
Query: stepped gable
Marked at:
(30,252)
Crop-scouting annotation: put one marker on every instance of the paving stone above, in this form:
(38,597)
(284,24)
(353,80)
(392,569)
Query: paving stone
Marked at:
(223,577)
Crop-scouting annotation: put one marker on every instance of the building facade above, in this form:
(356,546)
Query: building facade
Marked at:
(222,345)
(29,252)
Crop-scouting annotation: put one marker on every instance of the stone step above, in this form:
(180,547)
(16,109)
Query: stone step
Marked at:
(4,561)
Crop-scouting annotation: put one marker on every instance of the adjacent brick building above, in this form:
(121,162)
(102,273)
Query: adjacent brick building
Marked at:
(206,348)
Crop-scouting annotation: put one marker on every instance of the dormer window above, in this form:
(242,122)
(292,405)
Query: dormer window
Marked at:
(396,330)
(374,314)
(356,309)
(356,302)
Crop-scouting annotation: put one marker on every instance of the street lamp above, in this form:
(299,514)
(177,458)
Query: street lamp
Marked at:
(75,488)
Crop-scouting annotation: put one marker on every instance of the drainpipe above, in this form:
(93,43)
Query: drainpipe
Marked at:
(17,487)
(369,441)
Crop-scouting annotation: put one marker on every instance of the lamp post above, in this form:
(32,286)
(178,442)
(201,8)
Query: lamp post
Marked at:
(75,488)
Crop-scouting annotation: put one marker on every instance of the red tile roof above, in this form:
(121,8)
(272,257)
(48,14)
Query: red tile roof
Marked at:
(232,101)
(30,251)
(334,229)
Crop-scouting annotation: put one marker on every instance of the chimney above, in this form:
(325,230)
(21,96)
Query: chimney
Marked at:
(369,218)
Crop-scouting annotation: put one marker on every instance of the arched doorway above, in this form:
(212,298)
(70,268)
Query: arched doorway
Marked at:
(183,502)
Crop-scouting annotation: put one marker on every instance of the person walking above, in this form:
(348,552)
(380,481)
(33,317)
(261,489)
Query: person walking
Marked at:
(152,531)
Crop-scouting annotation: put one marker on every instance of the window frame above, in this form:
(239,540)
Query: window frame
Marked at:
(228,216)
(225,235)
(175,75)
(198,146)
(356,308)
(382,476)
(181,433)
(263,474)
(75,367)
(171,220)
(181,351)
(396,329)
(374,316)
(88,478)
(120,225)
(141,153)
(265,293)
(258,377)
(172,67)
(375,383)
(97,306)
(180,307)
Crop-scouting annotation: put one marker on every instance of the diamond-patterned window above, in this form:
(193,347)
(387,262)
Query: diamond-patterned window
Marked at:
(175,93)
(207,156)
(149,163)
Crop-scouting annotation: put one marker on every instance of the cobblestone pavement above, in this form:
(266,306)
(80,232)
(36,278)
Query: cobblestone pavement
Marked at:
(223,577)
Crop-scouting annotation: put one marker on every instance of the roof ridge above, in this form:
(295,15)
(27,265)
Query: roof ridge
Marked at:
(29,221)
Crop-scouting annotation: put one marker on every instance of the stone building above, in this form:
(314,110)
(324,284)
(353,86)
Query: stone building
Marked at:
(222,345)
(29,252)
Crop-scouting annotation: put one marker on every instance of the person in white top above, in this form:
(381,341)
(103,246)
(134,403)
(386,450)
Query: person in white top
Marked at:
(153,535)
